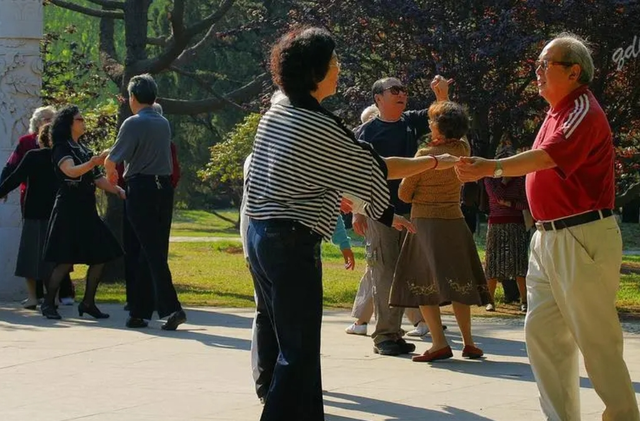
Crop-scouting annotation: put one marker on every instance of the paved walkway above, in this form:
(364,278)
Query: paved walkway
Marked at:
(80,369)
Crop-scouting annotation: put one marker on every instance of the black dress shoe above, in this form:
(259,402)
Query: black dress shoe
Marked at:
(50,312)
(136,323)
(387,348)
(176,319)
(405,347)
(91,310)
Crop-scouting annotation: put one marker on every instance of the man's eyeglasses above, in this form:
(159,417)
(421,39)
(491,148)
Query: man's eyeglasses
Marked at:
(546,63)
(395,90)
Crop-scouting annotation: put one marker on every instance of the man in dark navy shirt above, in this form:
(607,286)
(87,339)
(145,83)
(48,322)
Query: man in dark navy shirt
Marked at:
(395,132)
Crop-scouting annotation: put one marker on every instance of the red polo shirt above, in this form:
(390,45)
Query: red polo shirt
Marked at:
(577,136)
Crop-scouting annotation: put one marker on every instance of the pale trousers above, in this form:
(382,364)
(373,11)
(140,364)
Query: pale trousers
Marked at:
(363,303)
(572,283)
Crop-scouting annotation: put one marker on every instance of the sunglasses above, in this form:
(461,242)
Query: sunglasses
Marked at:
(396,89)
(544,64)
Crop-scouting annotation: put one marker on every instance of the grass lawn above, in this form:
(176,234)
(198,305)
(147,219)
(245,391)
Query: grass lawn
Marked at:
(214,274)
(194,223)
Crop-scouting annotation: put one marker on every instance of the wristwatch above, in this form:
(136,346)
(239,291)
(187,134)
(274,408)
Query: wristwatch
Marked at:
(497,173)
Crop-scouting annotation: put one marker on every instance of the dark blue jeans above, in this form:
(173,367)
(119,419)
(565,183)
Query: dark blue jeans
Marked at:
(287,271)
(150,210)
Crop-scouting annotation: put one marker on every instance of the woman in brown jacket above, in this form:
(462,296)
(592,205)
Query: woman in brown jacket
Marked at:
(439,264)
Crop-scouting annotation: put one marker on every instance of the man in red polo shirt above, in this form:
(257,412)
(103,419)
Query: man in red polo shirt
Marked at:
(576,252)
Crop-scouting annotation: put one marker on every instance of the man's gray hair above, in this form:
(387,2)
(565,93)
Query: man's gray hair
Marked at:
(157,108)
(575,49)
(143,88)
(38,117)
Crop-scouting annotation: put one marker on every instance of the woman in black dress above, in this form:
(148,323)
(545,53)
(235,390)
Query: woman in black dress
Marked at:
(76,234)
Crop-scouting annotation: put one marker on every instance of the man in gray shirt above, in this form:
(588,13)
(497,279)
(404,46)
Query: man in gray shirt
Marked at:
(144,145)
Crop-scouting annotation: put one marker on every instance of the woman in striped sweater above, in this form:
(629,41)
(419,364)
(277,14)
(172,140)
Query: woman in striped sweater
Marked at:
(304,159)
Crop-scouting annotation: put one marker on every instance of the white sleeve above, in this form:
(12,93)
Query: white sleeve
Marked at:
(244,219)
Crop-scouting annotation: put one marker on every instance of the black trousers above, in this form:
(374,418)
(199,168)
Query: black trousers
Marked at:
(287,270)
(132,267)
(150,210)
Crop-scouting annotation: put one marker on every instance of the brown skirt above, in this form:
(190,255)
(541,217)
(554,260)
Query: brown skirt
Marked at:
(437,265)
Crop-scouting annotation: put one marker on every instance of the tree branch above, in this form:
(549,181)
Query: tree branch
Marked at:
(109,4)
(159,41)
(87,10)
(190,53)
(210,20)
(177,44)
(181,107)
(632,192)
(108,55)
(177,19)
(206,86)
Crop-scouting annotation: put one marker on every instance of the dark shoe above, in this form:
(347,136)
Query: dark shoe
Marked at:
(92,310)
(50,312)
(472,352)
(387,348)
(427,357)
(176,319)
(136,323)
(126,307)
(405,347)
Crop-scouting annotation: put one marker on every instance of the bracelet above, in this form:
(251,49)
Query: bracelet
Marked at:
(437,162)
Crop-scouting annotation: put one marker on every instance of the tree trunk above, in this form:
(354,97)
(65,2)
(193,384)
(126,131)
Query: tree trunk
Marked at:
(136,40)
(114,270)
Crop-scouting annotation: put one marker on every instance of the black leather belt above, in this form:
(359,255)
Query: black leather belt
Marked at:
(572,221)
(147,176)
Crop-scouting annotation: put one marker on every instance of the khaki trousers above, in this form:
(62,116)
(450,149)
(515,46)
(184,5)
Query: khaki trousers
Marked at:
(385,244)
(572,283)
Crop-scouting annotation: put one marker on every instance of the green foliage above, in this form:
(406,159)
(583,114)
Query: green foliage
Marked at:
(227,158)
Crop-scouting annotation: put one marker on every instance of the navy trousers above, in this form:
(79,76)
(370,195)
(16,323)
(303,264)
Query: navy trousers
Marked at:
(287,271)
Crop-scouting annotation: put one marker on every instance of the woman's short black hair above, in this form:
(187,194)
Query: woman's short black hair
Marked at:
(451,118)
(300,59)
(62,122)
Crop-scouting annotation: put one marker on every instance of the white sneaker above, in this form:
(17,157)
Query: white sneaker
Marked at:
(421,330)
(67,301)
(356,329)
(490,307)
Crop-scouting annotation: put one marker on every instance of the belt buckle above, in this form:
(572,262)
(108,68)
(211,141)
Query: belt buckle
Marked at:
(158,185)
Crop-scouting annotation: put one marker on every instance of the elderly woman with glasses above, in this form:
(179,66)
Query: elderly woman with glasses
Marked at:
(76,234)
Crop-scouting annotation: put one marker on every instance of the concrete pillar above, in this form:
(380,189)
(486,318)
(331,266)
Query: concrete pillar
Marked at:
(21,26)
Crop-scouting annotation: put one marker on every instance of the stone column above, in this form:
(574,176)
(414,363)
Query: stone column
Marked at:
(21,26)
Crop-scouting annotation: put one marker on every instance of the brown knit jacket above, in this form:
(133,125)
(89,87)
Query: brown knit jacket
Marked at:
(435,194)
